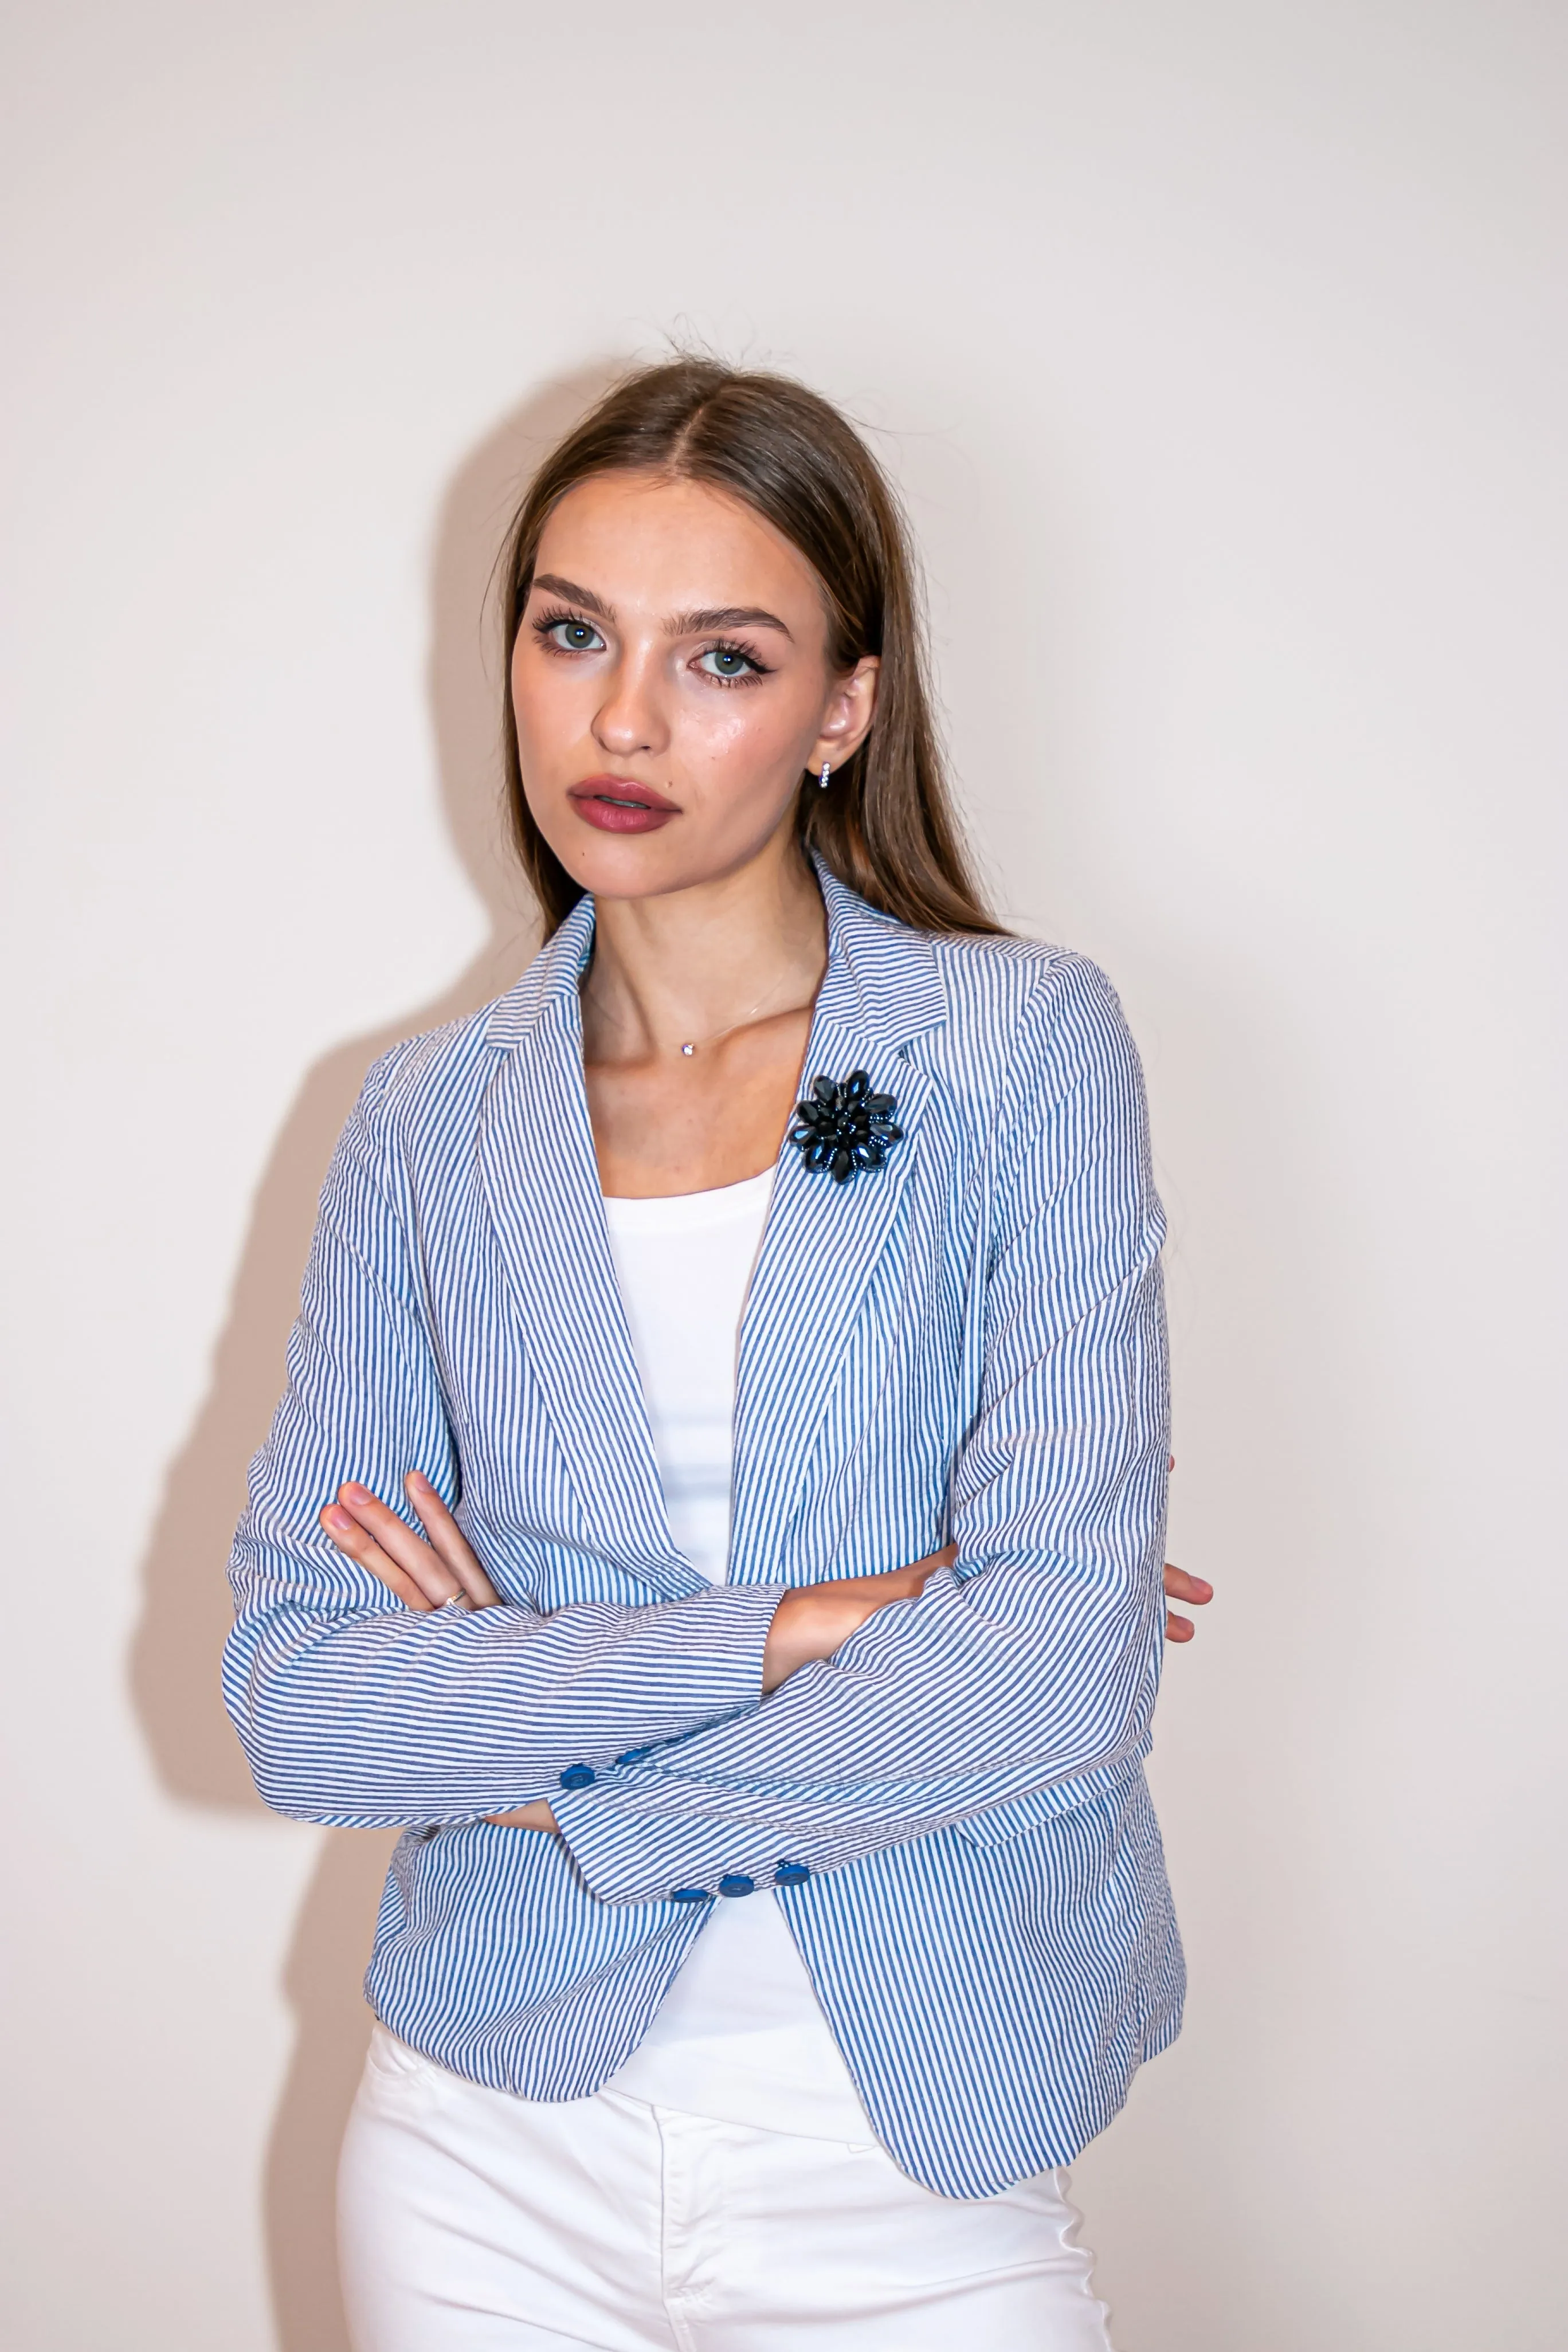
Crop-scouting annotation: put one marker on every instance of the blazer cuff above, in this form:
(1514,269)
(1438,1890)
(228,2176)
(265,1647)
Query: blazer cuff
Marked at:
(630,1846)
(698,1662)
(626,1856)
(717,1637)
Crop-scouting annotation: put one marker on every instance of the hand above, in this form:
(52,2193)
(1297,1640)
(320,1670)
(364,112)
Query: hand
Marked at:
(425,1576)
(814,1620)
(1180,1586)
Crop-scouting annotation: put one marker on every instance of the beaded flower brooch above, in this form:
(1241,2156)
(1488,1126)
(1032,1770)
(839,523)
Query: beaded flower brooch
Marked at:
(844,1127)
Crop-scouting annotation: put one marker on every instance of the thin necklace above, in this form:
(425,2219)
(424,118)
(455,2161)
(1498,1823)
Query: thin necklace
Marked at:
(690,1044)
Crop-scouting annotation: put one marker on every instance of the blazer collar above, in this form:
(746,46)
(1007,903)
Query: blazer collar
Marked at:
(881,980)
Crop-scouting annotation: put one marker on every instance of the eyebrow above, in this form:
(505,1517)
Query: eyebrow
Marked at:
(553,584)
(679,625)
(723,616)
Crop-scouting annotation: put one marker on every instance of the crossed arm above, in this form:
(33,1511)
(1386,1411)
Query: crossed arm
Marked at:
(898,1702)
(440,1572)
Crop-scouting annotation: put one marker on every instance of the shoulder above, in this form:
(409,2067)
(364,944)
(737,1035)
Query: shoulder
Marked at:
(981,986)
(982,983)
(993,1017)
(1000,981)
(413,1075)
(427,1092)
(1018,1008)
(435,1083)
(1043,1080)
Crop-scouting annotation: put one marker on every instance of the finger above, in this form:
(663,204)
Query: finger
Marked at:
(527,1817)
(1180,1586)
(915,1577)
(449,1541)
(351,1540)
(400,1543)
(1179,1629)
(935,1559)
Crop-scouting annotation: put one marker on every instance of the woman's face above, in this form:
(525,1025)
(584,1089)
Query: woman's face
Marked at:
(672,683)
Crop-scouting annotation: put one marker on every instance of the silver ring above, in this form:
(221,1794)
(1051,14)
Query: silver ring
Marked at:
(460,1601)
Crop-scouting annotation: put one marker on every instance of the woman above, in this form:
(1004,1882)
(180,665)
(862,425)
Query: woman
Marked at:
(791,1470)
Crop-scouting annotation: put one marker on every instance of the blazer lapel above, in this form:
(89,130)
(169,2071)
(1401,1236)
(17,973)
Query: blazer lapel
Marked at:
(541,1185)
(823,1240)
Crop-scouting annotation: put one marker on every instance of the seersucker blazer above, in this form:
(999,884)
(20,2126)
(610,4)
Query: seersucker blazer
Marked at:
(968,1343)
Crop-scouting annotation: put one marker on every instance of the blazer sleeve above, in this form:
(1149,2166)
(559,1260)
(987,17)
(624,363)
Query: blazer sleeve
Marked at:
(353,1709)
(1033,1666)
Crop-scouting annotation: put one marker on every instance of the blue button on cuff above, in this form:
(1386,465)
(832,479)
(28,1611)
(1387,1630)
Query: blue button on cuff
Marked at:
(691,1894)
(634,1756)
(737,1884)
(577,1775)
(791,1874)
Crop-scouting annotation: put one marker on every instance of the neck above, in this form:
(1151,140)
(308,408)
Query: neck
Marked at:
(692,963)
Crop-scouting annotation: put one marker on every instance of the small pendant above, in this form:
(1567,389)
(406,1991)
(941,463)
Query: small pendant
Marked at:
(688,1049)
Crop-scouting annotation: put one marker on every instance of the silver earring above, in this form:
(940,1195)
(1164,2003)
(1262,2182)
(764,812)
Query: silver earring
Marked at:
(826,771)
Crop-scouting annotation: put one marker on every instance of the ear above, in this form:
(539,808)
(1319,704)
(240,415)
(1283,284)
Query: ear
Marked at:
(846,721)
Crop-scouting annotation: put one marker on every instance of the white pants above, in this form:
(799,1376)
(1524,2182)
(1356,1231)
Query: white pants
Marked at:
(473,2221)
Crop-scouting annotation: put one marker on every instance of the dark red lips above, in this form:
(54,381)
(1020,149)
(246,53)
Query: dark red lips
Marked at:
(620,804)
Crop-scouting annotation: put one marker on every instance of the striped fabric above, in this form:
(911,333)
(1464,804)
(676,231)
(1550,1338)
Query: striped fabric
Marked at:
(969,1342)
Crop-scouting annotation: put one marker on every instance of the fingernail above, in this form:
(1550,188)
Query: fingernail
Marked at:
(338,1521)
(355,1492)
(417,1478)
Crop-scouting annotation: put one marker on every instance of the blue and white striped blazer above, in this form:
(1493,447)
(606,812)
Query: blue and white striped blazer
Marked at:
(967,1344)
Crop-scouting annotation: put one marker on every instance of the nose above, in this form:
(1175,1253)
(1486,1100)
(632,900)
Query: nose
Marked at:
(631,718)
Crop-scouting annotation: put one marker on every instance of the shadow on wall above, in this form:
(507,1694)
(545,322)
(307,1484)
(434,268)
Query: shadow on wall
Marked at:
(185,1613)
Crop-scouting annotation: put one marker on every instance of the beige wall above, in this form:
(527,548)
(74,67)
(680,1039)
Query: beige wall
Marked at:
(1221,350)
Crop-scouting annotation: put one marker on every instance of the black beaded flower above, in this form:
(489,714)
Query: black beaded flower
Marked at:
(843,1125)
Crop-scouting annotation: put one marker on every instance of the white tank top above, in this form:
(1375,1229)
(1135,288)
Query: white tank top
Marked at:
(740,2035)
